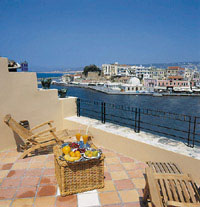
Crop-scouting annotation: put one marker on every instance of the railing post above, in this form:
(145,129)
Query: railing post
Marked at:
(189,130)
(78,106)
(135,120)
(194,130)
(102,114)
(138,121)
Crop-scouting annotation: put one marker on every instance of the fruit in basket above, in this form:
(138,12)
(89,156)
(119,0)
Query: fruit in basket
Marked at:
(68,158)
(71,159)
(87,152)
(90,155)
(66,149)
(74,145)
(78,154)
(72,154)
(94,153)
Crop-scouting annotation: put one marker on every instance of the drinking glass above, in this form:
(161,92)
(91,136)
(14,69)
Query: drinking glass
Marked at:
(85,139)
(78,137)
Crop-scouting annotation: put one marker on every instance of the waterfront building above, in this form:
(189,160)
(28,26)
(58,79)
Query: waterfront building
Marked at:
(116,69)
(143,72)
(174,83)
(24,66)
(188,73)
(150,82)
(157,73)
(133,85)
(175,71)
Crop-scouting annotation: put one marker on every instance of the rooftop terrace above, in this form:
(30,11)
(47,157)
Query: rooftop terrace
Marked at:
(31,182)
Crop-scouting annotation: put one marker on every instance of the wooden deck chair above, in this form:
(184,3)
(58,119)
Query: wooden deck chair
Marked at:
(35,141)
(169,189)
(164,167)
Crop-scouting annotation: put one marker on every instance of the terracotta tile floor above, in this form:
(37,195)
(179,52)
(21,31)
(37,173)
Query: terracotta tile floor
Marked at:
(31,182)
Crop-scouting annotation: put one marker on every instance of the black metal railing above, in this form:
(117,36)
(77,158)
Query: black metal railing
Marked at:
(177,126)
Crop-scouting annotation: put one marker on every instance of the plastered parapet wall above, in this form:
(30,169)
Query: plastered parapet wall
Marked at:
(20,97)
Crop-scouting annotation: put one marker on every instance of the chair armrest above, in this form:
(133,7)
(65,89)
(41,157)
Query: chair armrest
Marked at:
(53,129)
(43,124)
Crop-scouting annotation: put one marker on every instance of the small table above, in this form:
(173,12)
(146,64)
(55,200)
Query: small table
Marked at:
(80,176)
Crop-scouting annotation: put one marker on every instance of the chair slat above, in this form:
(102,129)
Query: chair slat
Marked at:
(173,190)
(179,191)
(166,181)
(163,190)
(191,192)
(186,195)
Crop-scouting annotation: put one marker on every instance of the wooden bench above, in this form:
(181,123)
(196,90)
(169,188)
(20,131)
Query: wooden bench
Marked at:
(170,189)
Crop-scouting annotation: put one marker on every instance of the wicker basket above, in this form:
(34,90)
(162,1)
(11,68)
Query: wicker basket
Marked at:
(79,176)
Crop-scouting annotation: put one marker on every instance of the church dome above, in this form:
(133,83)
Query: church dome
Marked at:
(134,81)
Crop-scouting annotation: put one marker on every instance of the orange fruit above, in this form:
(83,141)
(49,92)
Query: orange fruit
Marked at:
(66,149)
(78,154)
(72,154)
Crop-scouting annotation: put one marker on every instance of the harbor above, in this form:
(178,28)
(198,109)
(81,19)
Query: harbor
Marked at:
(109,91)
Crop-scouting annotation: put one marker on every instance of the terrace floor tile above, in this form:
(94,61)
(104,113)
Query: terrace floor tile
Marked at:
(129,196)
(119,175)
(47,201)
(36,165)
(129,165)
(20,166)
(7,193)
(5,203)
(25,192)
(49,164)
(109,186)
(6,166)
(10,182)
(115,167)
(47,190)
(112,160)
(124,184)
(3,173)
(27,202)
(16,173)
(126,159)
(41,158)
(34,172)
(49,171)
(70,200)
(136,173)
(46,180)
(139,182)
(87,200)
(109,198)
(8,159)
(30,181)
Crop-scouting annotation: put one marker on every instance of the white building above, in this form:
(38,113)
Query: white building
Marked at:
(134,85)
(116,69)
(142,71)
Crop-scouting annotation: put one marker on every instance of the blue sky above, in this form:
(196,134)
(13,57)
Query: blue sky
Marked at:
(52,34)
